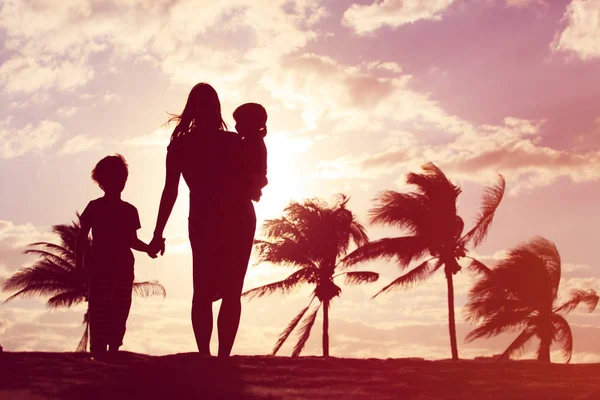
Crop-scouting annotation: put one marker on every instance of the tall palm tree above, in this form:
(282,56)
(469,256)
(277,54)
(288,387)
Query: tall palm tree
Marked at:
(312,237)
(436,231)
(55,274)
(520,294)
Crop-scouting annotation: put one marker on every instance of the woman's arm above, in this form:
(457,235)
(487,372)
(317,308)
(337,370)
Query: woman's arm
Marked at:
(167,201)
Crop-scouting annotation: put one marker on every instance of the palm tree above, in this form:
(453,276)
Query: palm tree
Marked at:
(56,275)
(429,215)
(520,294)
(311,237)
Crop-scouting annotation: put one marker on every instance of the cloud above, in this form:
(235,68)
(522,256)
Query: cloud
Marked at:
(353,97)
(67,111)
(223,43)
(111,97)
(514,150)
(160,137)
(583,29)
(385,66)
(79,143)
(478,155)
(14,238)
(27,74)
(525,3)
(364,19)
(15,142)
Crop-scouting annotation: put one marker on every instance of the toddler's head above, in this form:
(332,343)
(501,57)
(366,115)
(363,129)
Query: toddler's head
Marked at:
(111,173)
(251,119)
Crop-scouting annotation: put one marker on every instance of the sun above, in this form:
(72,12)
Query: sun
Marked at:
(287,180)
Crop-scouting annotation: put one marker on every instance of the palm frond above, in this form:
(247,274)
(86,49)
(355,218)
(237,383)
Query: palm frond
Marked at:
(432,182)
(43,271)
(66,253)
(477,268)
(283,251)
(403,249)
(305,329)
(517,347)
(588,297)
(358,277)
(401,210)
(39,289)
(66,299)
(301,276)
(500,322)
(281,228)
(546,251)
(526,277)
(492,196)
(149,288)
(563,336)
(57,259)
(415,275)
(289,329)
(358,233)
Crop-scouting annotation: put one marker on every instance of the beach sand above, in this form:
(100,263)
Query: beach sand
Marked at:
(42,376)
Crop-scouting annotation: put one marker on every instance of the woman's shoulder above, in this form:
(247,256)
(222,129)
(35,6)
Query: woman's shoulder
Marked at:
(233,136)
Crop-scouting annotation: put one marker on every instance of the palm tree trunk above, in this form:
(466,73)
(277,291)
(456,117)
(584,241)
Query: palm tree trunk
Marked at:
(451,319)
(544,351)
(545,342)
(83,343)
(325,328)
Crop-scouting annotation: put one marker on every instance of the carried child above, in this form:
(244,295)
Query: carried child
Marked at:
(251,124)
(114,224)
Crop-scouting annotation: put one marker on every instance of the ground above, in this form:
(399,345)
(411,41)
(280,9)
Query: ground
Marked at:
(42,376)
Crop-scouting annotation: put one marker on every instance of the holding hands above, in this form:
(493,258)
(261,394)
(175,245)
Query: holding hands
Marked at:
(156,245)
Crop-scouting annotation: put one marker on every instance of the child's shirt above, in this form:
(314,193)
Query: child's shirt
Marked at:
(113,223)
(255,164)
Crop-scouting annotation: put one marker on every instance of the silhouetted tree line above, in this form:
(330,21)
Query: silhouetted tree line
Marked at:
(518,294)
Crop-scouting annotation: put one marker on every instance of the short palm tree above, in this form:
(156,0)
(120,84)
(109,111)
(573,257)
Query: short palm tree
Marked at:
(429,215)
(520,294)
(56,275)
(312,237)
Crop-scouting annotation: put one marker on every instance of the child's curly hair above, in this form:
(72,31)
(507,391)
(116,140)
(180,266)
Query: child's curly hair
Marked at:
(111,172)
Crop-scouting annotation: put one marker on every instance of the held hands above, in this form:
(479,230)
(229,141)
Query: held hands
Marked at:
(156,245)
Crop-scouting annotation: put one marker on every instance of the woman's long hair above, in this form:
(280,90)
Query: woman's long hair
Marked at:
(202,110)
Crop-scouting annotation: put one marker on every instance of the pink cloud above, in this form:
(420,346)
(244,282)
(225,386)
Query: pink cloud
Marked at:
(583,29)
(364,19)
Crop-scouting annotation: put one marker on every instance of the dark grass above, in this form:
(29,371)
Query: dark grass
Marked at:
(189,376)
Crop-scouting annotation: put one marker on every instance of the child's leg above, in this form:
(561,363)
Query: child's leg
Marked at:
(121,304)
(98,309)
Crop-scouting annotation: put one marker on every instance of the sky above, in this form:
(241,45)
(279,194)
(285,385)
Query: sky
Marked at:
(359,93)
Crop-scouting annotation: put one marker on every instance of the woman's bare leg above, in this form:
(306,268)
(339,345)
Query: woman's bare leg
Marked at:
(202,322)
(228,323)
(240,245)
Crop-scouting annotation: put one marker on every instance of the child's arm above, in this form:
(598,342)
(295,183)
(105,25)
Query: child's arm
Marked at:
(258,179)
(137,244)
(134,242)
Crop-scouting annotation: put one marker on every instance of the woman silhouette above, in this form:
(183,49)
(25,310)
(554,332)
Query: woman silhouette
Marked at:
(222,221)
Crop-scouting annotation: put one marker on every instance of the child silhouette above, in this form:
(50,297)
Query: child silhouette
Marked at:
(113,223)
(251,124)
